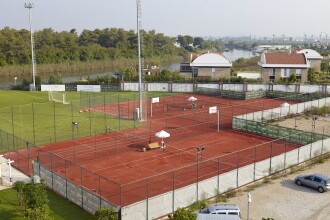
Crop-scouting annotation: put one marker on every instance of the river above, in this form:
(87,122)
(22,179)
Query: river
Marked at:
(235,54)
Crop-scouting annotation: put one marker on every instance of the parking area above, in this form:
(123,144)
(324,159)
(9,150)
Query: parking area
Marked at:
(283,199)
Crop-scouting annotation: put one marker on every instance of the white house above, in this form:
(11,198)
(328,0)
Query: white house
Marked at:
(313,58)
(207,65)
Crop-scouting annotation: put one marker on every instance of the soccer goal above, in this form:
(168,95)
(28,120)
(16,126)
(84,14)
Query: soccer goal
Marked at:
(54,96)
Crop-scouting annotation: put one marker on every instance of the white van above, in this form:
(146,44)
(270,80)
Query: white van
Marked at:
(223,212)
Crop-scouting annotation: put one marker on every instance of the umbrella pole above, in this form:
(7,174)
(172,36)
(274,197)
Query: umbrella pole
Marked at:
(163,145)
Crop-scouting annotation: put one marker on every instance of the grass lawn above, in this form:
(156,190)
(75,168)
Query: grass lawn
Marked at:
(31,117)
(60,208)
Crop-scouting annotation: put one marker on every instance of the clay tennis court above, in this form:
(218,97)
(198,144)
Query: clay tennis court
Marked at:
(114,165)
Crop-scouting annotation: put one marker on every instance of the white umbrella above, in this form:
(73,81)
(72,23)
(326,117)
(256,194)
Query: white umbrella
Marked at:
(285,104)
(162,134)
(192,99)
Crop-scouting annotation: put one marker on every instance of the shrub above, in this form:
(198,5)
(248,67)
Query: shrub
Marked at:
(183,214)
(220,198)
(231,193)
(201,204)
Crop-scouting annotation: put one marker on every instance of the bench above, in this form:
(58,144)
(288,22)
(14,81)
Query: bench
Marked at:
(153,145)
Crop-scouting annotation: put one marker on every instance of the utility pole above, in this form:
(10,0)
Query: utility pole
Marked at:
(30,6)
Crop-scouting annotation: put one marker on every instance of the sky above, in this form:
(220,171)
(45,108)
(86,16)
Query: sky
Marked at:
(216,18)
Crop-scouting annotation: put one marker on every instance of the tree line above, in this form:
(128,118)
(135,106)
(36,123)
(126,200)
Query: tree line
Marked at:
(53,47)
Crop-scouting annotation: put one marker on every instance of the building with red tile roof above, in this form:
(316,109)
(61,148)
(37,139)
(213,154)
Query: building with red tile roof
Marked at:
(275,66)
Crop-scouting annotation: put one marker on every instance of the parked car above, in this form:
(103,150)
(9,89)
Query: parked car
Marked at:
(223,212)
(316,181)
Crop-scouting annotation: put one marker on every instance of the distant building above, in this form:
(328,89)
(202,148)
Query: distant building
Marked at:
(263,48)
(313,58)
(208,65)
(281,65)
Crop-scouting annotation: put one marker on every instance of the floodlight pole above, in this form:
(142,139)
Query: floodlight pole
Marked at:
(138,3)
(30,6)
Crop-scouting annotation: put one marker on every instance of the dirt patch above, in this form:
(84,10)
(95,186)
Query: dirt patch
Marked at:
(305,123)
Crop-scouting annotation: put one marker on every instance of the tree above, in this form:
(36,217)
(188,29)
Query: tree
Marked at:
(324,66)
(104,213)
(19,188)
(36,201)
(293,78)
(311,75)
(198,42)
(183,214)
(39,213)
(129,74)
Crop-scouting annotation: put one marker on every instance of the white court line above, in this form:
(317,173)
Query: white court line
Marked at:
(173,154)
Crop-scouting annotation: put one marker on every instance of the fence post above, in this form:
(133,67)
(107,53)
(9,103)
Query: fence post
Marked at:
(298,155)
(118,111)
(121,195)
(12,124)
(8,141)
(147,206)
(285,150)
(89,116)
(310,149)
(255,161)
(322,141)
(66,180)
(28,161)
(33,126)
(237,167)
(197,177)
(270,158)
(81,187)
(54,122)
(218,177)
(18,158)
(51,169)
(95,144)
(173,193)
(105,115)
(99,190)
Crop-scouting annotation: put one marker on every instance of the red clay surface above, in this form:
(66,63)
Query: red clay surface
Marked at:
(114,166)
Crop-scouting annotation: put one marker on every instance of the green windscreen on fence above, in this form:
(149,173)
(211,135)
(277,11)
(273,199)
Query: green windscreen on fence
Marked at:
(274,131)
(230,94)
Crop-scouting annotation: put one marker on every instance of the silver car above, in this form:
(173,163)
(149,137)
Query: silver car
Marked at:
(316,181)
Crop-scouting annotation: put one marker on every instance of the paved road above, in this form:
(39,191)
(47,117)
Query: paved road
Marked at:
(283,199)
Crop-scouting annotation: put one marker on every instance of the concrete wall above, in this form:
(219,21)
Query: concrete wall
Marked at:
(79,195)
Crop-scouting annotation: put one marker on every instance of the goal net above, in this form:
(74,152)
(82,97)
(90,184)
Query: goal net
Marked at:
(54,96)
